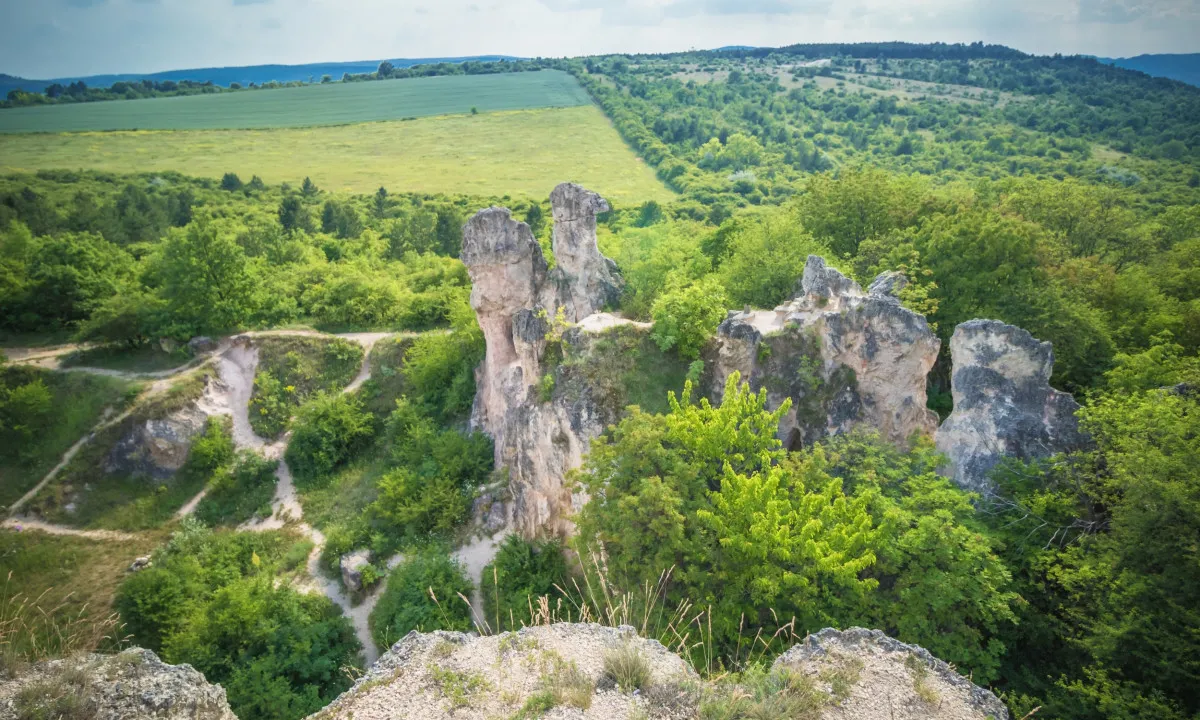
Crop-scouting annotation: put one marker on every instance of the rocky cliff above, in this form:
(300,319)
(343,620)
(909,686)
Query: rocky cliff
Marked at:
(581,671)
(132,684)
(1003,403)
(843,356)
(521,305)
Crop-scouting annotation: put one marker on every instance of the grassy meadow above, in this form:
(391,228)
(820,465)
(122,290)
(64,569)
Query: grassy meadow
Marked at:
(330,104)
(518,153)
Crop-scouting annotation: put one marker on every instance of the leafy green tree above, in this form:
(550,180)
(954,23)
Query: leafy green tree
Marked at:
(25,411)
(535,219)
(843,210)
(293,215)
(448,231)
(423,594)
(767,259)
(328,430)
(308,188)
(205,280)
(231,182)
(687,316)
(380,204)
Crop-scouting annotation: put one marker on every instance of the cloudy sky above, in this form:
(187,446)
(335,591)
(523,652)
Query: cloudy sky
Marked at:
(55,38)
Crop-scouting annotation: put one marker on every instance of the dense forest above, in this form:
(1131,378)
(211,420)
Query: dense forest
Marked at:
(1056,194)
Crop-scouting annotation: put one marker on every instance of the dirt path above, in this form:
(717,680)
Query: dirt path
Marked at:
(236,362)
(21,524)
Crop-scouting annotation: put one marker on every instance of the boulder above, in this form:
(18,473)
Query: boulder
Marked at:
(131,684)
(844,358)
(1003,403)
(888,679)
(140,564)
(202,344)
(157,447)
(352,565)
(443,675)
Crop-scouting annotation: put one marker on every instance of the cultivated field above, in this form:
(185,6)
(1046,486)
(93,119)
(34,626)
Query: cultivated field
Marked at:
(520,153)
(332,104)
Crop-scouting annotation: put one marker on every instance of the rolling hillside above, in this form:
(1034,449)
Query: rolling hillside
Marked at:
(244,75)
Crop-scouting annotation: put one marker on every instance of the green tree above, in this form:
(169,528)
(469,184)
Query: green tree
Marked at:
(329,429)
(380,205)
(448,230)
(231,182)
(293,215)
(309,188)
(522,572)
(767,259)
(206,281)
(687,316)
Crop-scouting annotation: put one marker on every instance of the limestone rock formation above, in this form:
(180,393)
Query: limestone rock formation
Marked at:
(352,564)
(158,446)
(844,357)
(453,675)
(517,301)
(132,684)
(561,668)
(895,681)
(1003,403)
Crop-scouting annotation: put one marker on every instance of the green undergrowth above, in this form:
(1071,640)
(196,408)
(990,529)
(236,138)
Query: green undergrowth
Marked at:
(621,367)
(388,381)
(48,413)
(291,369)
(224,603)
(240,489)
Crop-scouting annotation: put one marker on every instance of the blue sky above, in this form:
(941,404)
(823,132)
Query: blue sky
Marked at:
(54,38)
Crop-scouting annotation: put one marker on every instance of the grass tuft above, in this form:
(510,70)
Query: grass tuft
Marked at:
(628,668)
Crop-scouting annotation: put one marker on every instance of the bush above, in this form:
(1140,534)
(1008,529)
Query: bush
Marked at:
(422,594)
(522,572)
(329,429)
(238,492)
(434,476)
(685,317)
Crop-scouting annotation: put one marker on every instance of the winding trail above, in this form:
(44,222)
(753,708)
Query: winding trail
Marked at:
(236,361)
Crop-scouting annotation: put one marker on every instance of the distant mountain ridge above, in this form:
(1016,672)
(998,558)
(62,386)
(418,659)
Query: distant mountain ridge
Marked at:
(1183,67)
(244,75)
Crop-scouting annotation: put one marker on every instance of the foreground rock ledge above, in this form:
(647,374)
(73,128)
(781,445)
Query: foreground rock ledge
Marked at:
(131,684)
(453,675)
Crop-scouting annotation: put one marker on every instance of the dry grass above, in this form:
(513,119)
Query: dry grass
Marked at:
(522,153)
(56,594)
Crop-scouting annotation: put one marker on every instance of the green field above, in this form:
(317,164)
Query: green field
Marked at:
(332,104)
(521,153)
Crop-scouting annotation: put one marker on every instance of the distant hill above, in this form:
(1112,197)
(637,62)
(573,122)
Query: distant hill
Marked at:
(1183,67)
(244,75)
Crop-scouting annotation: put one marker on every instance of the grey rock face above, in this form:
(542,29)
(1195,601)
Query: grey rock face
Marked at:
(157,447)
(351,564)
(202,344)
(1003,403)
(845,358)
(515,299)
(891,672)
(132,684)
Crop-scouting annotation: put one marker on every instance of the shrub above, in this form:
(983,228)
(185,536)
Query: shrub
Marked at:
(239,491)
(685,317)
(422,594)
(628,668)
(522,571)
(329,429)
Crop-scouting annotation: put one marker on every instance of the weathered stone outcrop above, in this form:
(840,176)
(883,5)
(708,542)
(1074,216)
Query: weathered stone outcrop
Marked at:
(1003,403)
(517,300)
(895,681)
(132,684)
(156,447)
(452,675)
(844,357)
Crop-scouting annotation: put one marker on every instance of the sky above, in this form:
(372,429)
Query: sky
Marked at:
(57,38)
